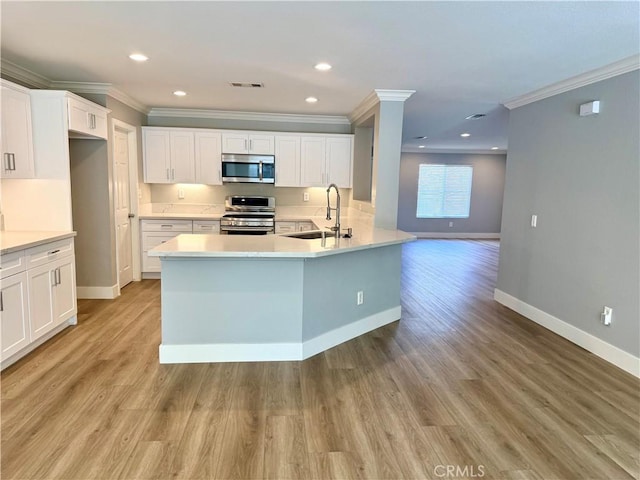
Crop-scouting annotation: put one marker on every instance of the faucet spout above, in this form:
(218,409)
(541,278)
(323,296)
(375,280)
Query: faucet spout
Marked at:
(335,228)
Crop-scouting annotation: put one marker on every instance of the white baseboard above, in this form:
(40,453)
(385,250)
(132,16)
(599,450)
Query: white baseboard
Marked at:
(454,235)
(274,352)
(593,344)
(340,335)
(150,275)
(107,293)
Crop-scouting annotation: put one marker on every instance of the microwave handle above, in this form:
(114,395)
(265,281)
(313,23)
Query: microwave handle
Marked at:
(260,171)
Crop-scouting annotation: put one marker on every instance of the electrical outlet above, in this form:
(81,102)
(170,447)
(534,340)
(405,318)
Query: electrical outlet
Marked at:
(305,196)
(360,298)
(606,315)
(534,221)
(180,193)
(450,224)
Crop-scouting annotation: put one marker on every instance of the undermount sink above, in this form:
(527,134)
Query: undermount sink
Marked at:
(310,235)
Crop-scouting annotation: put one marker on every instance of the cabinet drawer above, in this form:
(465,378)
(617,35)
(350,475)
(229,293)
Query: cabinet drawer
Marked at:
(12,263)
(181,226)
(152,239)
(206,226)
(150,264)
(49,252)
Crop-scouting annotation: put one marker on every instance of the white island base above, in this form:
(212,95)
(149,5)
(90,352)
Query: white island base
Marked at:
(269,307)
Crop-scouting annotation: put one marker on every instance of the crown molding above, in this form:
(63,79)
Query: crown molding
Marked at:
(100,89)
(625,65)
(251,116)
(376,96)
(470,151)
(23,75)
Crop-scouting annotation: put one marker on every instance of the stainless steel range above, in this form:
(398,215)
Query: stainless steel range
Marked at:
(248,215)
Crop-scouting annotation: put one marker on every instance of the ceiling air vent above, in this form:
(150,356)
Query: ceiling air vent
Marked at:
(475,116)
(247,84)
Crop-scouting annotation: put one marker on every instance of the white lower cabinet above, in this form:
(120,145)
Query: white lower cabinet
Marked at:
(53,285)
(14,314)
(290,227)
(38,294)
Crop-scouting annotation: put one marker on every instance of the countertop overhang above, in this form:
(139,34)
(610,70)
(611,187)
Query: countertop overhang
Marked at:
(12,241)
(276,246)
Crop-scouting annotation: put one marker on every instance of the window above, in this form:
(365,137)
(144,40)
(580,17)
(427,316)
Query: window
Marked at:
(444,191)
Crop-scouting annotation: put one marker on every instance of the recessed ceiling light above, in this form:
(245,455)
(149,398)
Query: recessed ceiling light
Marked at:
(179,93)
(138,57)
(420,146)
(495,148)
(322,66)
(311,99)
(420,138)
(465,134)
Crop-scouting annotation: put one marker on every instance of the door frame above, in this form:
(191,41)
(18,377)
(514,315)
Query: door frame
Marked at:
(132,137)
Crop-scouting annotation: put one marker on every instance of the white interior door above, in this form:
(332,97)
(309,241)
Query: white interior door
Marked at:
(123,208)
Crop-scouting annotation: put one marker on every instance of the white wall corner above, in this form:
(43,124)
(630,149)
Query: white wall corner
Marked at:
(593,344)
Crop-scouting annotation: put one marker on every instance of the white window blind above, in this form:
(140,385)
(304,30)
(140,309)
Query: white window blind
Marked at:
(444,191)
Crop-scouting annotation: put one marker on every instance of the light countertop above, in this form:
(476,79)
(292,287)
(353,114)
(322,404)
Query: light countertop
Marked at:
(11,241)
(277,246)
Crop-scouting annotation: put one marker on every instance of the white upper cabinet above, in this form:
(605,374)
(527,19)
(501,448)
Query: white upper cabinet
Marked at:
(243,142)
(339,161)
(17,139)
(157,155)
(182,169)
(87,118)
(325,160)
(312,162)
(208,158)
(287,151)
(169,155)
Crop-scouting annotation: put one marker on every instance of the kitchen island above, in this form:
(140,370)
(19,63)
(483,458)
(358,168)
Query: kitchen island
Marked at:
(231,298)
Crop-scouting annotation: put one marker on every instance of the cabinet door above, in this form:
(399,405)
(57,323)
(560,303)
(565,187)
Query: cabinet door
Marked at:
(156,156)
(261,144)
(64,291)
(208,158)
(235,143)
(182,157)
(17,143)
(14,314)
(339,159)
(79,118)
(312,162)
(206,226)
(287,151)
(41,314)
(285,227)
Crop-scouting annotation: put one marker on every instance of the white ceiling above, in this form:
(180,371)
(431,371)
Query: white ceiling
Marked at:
(460,57)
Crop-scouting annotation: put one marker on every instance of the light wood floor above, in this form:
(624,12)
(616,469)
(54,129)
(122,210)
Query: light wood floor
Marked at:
(459,388)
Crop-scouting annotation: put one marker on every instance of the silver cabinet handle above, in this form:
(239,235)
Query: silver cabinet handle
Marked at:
(53,278)
(53,251)
(168,174)
(166,226)
(131,215)
(173,174)
(250,145)
(13,161)
(245,144)
(219,175)
(260,170)
(59,275)
(93,117)
(1,302)
(7,161)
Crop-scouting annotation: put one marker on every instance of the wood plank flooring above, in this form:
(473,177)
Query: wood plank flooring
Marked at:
(461,387)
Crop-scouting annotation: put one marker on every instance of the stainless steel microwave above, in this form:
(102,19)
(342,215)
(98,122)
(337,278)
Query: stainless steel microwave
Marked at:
(238,168)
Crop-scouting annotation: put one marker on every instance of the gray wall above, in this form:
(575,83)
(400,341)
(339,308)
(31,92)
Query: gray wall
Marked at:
(92,199)
(580,175)
(485,212)
(247,125)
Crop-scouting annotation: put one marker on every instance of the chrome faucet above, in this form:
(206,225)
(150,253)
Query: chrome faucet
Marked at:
(336,227)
